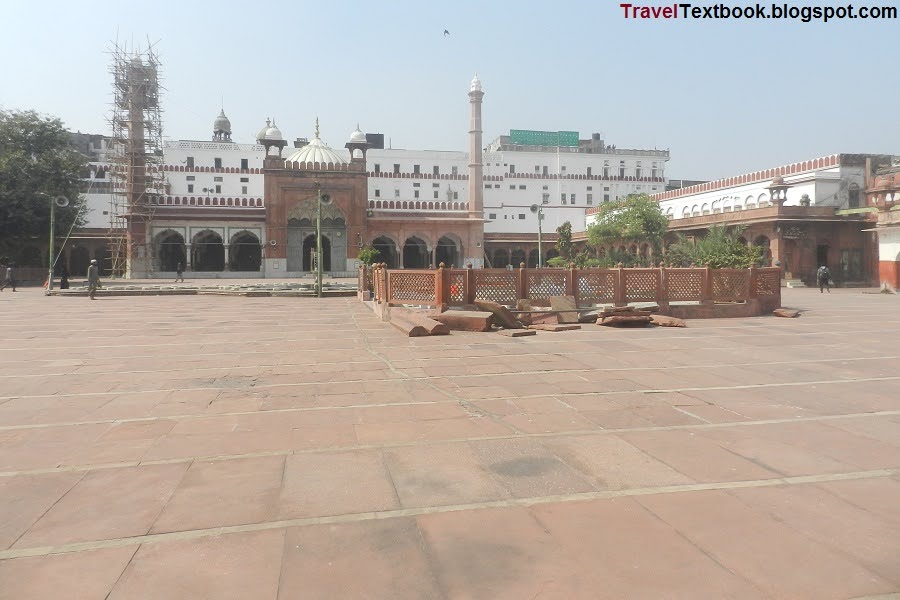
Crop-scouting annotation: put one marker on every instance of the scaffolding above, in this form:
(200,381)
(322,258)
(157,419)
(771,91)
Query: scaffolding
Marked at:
(136,154)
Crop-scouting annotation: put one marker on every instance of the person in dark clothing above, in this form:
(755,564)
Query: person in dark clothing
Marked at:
(179,272)
(93,278)
(9,279)
(823,277)
(63,278)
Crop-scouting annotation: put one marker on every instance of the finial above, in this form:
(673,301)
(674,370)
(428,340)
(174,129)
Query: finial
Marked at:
(317,127)
(268,122)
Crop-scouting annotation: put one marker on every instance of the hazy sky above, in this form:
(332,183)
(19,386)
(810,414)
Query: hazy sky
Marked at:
(725,97)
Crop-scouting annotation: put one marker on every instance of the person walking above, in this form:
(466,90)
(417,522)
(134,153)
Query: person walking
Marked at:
(93,275)
(179,272)
(823,276)
(9,279)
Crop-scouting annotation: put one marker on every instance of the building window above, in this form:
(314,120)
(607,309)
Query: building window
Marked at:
(522,187)
(436,171)
(512,187)
(545,171)
(377,168)
(487,186)
(590,188)
(522,216)
(396,193)
(496,186)
(396,169)
(455,170)
(455,197)
(435,185)
(545,198)
(219,179)
(490,216)
(572,199)
(853,195)
(637,172)
(244,190)
(245,164)
(217,163)
(218,189)
(545,187)
(416,169)
(563,168)
(588,171)
(537,169)
(416,194)
(605,172)
(245,180)
(415,185)
(435,194)
(563,198)
(606,197)
(190,178)
(590,199)
(190,162)
(378,193)
(190,191)
(622,168)
(512,169)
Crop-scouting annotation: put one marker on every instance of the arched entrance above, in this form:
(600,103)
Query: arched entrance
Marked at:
(387,251)
(309,251)
(517,257)
(415,254)
(103,262)
(447,252)
(208,252)
(79,259)
(765,244)
(170,250)
(533,258)
(246,252)
(501,258)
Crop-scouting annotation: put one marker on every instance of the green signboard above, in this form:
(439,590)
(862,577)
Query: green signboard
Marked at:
(528,137)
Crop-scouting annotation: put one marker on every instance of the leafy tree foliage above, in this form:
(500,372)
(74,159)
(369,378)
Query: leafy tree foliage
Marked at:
(564,241)
(636,219)
(368,254)
(720,248)
(36,161)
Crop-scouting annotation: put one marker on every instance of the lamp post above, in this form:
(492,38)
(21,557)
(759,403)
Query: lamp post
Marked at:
(320,200)
(538,209)
(62,202)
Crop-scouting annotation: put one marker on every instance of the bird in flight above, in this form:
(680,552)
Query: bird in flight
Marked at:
(446,33)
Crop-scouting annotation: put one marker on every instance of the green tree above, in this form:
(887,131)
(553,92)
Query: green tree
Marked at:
(636,219)
(36,161)
(564,241)
(368,254)
(720,248)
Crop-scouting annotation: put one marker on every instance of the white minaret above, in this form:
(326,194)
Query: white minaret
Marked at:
(475,251)
(476,170)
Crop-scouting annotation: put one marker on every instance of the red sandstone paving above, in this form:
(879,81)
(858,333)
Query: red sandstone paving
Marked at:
(469,422)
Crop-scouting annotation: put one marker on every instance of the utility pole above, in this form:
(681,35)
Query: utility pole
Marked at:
(318,240)
(52,231)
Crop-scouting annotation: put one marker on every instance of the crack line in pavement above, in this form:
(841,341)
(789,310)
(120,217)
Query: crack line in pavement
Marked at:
(417,443)
(414,512)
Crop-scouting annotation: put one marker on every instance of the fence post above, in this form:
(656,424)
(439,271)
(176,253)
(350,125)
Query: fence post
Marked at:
(751,293)
(662,295)
(470,285)
(572,282)
(707,294)
(521,283)
(441,289)
(620,297)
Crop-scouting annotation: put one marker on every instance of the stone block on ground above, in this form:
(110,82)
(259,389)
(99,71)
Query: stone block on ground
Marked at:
(465,320)
(625,320)
(566,305)
(431,326)
(554,328)
(408,327)
(502,316)
(589,317)
(544,318)
(664,321)
(789,313)
(517,332)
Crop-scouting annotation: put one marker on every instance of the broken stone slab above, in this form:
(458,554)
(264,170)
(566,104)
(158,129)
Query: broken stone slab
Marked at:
(589,317)
(664,321)
(465,320)
(408,327)
(431,326)
(626,320)
(544,318)
(789,313)
(565,304)
(568,327)
(517,332)
(502,316)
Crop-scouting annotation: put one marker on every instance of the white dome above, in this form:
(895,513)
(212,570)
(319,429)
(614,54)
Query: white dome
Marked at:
(475,86)
(358,137)
(262,132)
(222,123)
(273,134)
(316,151)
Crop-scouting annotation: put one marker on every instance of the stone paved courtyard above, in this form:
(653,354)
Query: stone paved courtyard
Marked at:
(260,448)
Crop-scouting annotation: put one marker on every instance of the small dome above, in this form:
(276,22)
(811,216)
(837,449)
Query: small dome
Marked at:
(778,180)
(475,86)
(222,124)
(358,137)
(262,132)
(273,134)
(316,151)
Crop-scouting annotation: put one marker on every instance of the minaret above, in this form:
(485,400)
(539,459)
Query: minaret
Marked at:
(476,170)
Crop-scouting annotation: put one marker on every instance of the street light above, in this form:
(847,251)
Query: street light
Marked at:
(320,200)
(62,202)
(538,209)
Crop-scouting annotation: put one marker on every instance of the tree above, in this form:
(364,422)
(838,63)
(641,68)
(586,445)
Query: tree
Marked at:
(633,220)
(367,255)
(36,164)
(720,248)
(564,241)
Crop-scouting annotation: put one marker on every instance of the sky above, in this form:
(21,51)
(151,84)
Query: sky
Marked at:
(725,97)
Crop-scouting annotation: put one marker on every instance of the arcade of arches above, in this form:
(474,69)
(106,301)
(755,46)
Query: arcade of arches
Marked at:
(416,253)
(208,252)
